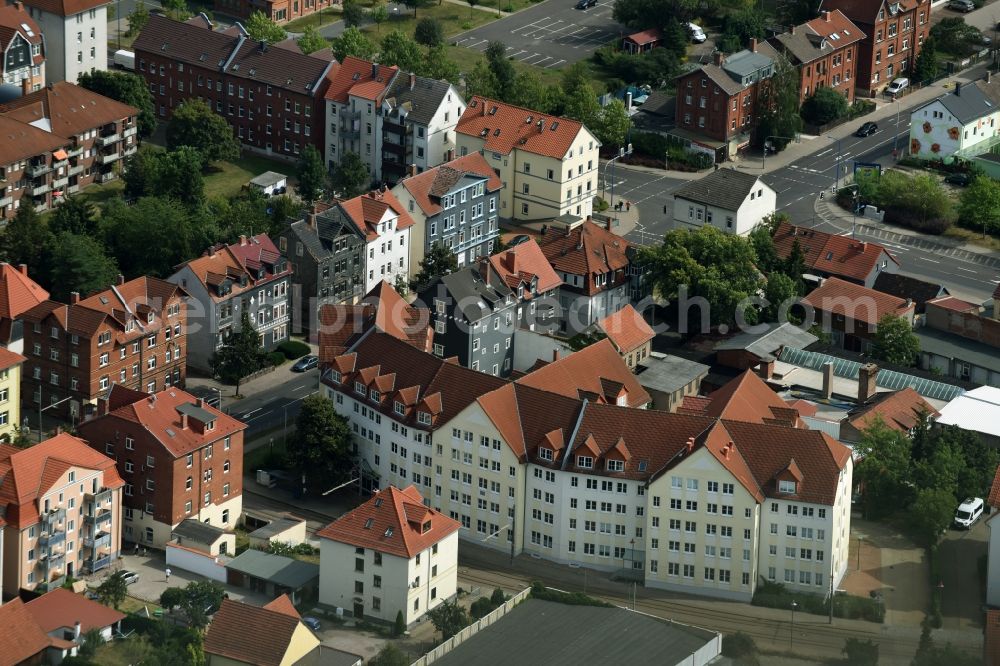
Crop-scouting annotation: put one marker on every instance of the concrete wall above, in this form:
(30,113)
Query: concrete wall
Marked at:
(179,557)
(530,346)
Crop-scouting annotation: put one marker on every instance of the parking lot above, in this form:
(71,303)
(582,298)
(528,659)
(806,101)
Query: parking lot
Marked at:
(551,34)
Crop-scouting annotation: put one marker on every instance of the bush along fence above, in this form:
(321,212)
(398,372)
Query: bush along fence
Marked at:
(652,149)
(775,595)
(860,108)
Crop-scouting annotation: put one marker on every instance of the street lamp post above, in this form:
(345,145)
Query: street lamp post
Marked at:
(219,392)
(622,152)
(791,632)
(854,223)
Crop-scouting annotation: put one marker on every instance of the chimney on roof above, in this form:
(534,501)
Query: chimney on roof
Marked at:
(690,445)
(263,46)
(211,250)
(120,279)
(866,382)
(484,269)
(74,297)
(200,402)
(76,630)
(25,86)
(555,355)
(826,16)
(311,220)
(19,6)
(23,268)
(793,30)
(243,240)
(413,80)
(828,380)
(102,406)
(727,449)
(958,89)
(541,125)
(718,58)
(765,369)
(184,421)
(909,302)
(374,69)
(753,44)
(412,169)
(58,430)
(607,223)
(510,261)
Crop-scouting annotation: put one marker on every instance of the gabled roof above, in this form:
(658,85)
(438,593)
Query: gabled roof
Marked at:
(250,634)
(429,186)
(820,37)
(770,341)
(725,188)
(746,398)
(69,109)
(589,249)
(284,605)
(9,359)
(831,254)
(420,96)
(20,141)
(62,609)
(360,78)
(626,329)
(474,297)
(27,474)
(278,569)
(393,521)
(195,44)
(904,286)
(21,638)
(644,37)
(866,11)
(231,262)
(504,127)
(899,410)
(137,297)
(160,413)
(970,101)
(18,292)
(367,210)
(856,302)
(523,263)
(65,7)
(587,371)
(15,21)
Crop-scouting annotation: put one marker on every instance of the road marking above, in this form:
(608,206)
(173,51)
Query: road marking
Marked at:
(930,260)
(967,270)
(254,411)
(823,153)
(556,64)
(301,388)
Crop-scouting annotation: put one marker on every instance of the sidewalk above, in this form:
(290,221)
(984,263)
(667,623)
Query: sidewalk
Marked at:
(248,389)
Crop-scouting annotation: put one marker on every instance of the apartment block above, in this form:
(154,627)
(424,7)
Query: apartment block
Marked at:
(10,394)
(62,503)
(271,96)
(894,33)
(353,103)
(180,459)
(247,276)
(825,51)
(548,165)
(76,36)
(527,273)
(454,204)
(279,11)
(21,42)
(391,554)
(133,334)
(55,150)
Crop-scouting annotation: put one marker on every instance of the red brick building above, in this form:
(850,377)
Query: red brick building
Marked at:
(825,51)
(894,33)
(272,96)
(179,456)
(279,11)
(51,148)
(132,334)
(717,103)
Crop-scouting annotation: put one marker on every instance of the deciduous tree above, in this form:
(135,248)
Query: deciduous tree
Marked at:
(75,215)
(931,513)
(925,69)
(449,618)
(113,590)
(194,124)
(979,206)
(439,260)
(201,598)
(138,19)
(390,655)
(263,29)
(438,66)
(502,69)
(895,341)
(312,174)
(613,124)
(351,177)
(400,50)
(27,240)
(129,232)
(321,448)
(884,468)
(415,5)
(175,174)
(429,32)
(778,119)
(127,88)
(824,106)
(240,354)
(352,42)
(379,15)
(80,264)
(311,41)
(353,14)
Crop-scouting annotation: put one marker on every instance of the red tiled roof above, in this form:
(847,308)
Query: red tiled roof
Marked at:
(504,127)
(9,359)
(393,521)
(865,11)
(70,109)
(626,329)
(232,261)
(830,253)
(585,372)
(803,407)
(589,249)
(12,18)
(427,187)
(284,605)
(250,634)
(360,78)
(853,301)
(60,608)
(522,263)
(745,398)
(65,7)
(76,319)
(367,210)
(900,410)
(26,474)
(20,141)
(955,304)
(645,37)
(158,414)
(18,292)
(382,308)
(21,638)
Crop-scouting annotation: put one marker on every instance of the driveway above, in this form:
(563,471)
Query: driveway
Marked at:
(962,597)
(551,34)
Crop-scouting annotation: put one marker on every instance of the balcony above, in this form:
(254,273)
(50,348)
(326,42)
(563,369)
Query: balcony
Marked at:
(396,128)
(72,189)
(75,170)
(6,201)
(103,518)
(74,152)
(49,539)
(129,131)
(59,183)
(103,496)
(39,190)
(60,164)
(106,177)
(108,159)
(101,540)
(96,564)
(38,169)
(109,139)
(53,520)
(54,562)
(131,150)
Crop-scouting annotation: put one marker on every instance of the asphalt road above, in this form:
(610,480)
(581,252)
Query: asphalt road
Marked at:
(267,412)
(962,595)
(550,34)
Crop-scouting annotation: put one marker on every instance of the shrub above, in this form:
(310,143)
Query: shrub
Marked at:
(774,595)
(399,626)
(738,645)
(293,349)
(276,358)
(480,608)
(539,591)
(824,106)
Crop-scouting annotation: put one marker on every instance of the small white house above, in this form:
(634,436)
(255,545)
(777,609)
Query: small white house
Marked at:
(270,183)
(732,201)
(393,553)
(965,121)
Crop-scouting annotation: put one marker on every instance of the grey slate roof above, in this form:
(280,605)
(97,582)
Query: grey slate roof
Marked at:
(970,101)
(554,634)
(422,101)
(197,531)
(267,179)
(725,188)
(284,571)
(769,342)
(904,286)
(474,298)
(311,241)
(670,373)
(722,79)
(745,63)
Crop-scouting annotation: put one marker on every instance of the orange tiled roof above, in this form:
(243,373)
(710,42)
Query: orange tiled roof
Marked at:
(21,638)
(16,21)
(645,37)
(626,329)
(60,608)
(427,187)
(27,474)
(745,398)
(367,210)
(851,300)
(9,359)
(504,127)
(952,303)
(18,292)
(70,109)
(589,249)
(830,253)
(232,261)
(393,521)
(250,634)
(360,78)
(900,410)
(284,605)
(522,263)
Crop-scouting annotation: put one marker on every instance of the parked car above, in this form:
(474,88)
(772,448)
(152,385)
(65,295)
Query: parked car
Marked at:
(960,179)
(520,238)
(584,4)
(312,623)
(129,576)
(867,129)
(697,34)
(964,6)
(986,41)
(969,512)
(897,86)
(305,363)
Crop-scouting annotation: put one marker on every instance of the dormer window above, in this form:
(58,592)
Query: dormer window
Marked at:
(375,395)
(360,389)
(616,465)
(787,487)
(545,454)
(426,527)
(424,418)
(149,318)
(335,376)
(399,407)
(584,462)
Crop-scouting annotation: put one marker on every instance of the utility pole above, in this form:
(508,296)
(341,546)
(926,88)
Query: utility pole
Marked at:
(831,599)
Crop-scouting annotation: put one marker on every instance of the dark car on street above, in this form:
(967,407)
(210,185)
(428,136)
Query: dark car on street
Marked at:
(585,4)
(960,179)
(867,129)
(305,363)
(964,6)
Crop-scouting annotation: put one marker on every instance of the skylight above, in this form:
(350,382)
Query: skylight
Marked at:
(368,523)
(388,531)
(27,29)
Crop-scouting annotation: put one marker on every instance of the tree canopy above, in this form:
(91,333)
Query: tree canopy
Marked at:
(26,239)
(884,467)
(129,232)
(778,119)
(240,354)
(194,124)
(75,215)
(321,447)
(439,260)
(138,19)
(311,173)
(172,174)
(127,88)
(79,263)
(352,42)
(352,13)
(429,32)
(351,177)
(979,205)
(311,41)
(401,50)
(449,618)
(824,106)
(895,342)
(263,29)
(113,590)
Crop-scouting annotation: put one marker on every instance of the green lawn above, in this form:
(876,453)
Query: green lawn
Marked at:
(134,605)
(454,19)
(508,5)
(328,15)
(226,179)
(467,59)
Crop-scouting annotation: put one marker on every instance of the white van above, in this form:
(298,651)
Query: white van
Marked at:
(897,86)
(969,512)
(123,59)
(697,34)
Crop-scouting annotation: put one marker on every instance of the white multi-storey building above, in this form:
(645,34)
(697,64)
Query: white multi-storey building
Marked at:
(76,36)
(393,553)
